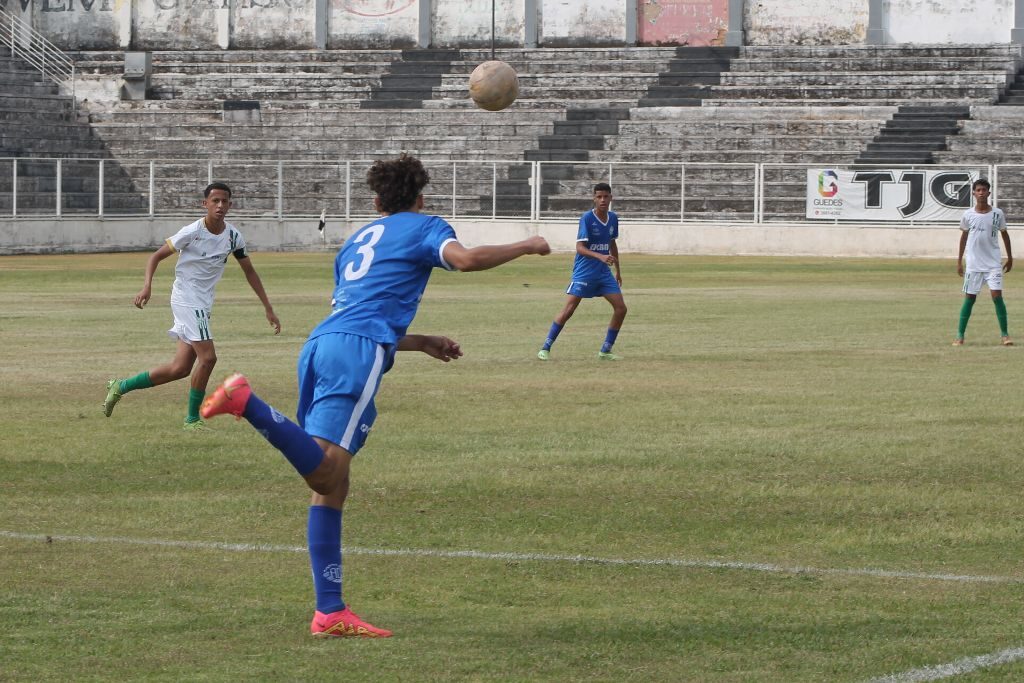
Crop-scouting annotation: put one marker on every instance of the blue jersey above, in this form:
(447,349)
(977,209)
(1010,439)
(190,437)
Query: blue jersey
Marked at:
(598,237)
(380,274)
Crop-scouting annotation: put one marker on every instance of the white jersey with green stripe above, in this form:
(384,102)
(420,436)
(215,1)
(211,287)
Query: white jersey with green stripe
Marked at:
(201,259)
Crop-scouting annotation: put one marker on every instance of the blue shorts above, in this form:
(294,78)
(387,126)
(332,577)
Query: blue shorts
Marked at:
(339,374)
(602,285)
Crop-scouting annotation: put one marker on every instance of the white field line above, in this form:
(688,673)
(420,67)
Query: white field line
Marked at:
(521,557)
(957,668)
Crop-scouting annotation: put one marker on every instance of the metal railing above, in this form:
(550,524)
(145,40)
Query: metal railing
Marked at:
(488,190)
(34,49)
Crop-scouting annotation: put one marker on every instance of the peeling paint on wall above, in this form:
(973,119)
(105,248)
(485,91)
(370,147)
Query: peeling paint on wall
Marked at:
(376,8)
(467,23)
(579,23)
(682,22)
(273,24)
(798,22)
(932,21)
(369,24)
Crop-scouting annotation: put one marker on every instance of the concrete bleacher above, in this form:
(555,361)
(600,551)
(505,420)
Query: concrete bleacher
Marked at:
(581,111)
(38,126)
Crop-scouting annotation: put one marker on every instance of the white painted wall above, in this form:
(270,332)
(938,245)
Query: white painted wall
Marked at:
(947,21)
(467,23)
(798,22)
(28,235)
(354,24)
(179,25)
(273,24)
(578,22)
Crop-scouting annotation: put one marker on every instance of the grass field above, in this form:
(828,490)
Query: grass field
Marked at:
(792,476)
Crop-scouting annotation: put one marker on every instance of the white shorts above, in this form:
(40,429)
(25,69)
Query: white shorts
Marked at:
(974,279)
(190,324)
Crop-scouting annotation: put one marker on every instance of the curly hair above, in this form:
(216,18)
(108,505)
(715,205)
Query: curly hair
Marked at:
(398,182)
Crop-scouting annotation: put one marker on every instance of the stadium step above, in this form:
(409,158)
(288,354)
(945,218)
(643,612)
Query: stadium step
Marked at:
(690,77)
(411,79)
(913,134)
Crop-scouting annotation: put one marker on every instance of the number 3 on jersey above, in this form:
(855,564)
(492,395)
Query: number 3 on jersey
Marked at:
(371,235)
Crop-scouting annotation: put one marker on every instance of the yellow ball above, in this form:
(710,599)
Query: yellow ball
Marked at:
(493,85)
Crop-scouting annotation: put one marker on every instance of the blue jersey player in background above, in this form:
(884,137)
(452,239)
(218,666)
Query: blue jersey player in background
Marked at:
(596,253)
(380,275)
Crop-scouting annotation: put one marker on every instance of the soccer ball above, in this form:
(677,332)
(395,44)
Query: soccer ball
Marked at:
(493,85)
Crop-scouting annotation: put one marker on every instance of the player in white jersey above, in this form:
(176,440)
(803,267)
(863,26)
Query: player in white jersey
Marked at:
(203,249)
(980,229)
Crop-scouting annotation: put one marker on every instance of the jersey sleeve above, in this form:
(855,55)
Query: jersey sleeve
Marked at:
(1000,220)
(181,239)
(436,237)
(964,225)
(581,234)
(237,244)
(613,227)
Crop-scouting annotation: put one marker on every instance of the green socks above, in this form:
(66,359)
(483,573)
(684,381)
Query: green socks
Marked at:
(139,381)
(1001,315)
(195,399)
(965,315)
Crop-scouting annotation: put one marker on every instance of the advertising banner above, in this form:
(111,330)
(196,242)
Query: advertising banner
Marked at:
(899,195)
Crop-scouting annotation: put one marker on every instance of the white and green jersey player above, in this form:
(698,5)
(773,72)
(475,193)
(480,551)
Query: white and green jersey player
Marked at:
(203,249)
(979,260)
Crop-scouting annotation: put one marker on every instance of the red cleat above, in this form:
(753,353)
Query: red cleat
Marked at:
(229,398)
(344,624)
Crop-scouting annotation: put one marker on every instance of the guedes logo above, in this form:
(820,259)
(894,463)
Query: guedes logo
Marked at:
(828,184)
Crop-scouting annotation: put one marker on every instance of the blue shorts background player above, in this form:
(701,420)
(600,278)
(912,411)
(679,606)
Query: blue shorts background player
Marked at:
(380,275)
(596,252)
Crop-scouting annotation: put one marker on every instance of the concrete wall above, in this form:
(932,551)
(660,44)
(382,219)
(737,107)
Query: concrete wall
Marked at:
(929,21)
(29,236)
(682,22)
(467,23)
(353,24)
(273,24)
(798,22)
(574,23)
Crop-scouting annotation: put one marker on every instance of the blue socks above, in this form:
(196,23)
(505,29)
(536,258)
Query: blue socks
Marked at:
(295,444)
(609,340)
(552,336)
(323,537)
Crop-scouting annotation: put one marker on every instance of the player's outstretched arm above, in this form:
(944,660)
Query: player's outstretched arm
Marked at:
(257,286)
(492,255)
(142,298)
(435,346)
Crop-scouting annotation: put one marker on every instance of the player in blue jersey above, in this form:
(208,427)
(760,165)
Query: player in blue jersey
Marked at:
(596,253)
(379,275)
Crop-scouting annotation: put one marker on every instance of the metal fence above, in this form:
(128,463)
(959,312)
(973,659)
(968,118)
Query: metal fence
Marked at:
(495,190)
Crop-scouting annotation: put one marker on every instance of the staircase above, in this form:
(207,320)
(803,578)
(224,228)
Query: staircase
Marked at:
(39,124)
(913,135)
(689,77)
(1014,94)
(411,79)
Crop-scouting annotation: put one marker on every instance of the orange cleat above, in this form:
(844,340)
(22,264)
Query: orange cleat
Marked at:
(229,398)
(344,624)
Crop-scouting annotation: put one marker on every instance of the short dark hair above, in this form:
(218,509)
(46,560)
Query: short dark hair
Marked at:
(398,182)
(983,182)
(602,187)
(216,186)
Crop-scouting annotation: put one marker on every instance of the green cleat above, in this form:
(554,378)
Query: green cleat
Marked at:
(607,355)
(543,354)
(113,396)
(195,426)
